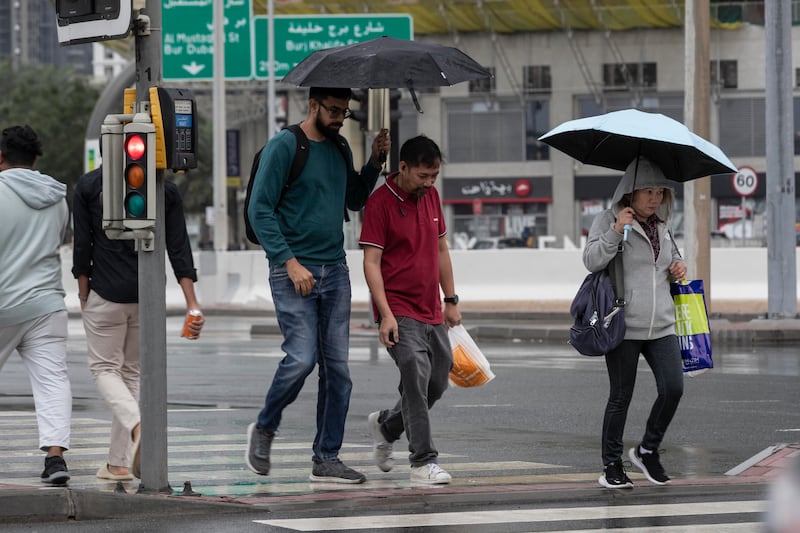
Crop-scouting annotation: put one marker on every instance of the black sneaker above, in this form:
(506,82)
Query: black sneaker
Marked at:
(335,471)
(650,465)
(258,447)
(55,471)
(614,477)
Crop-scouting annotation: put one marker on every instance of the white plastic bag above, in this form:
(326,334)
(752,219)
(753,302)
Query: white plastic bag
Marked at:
(470,367)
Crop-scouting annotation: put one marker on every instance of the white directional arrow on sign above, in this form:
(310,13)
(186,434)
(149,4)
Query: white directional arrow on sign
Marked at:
(193,68)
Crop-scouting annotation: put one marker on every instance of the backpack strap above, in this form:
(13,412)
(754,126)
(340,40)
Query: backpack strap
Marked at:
(300,157)
(616,273)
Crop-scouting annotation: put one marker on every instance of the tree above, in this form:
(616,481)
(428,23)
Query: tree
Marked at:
(56,102)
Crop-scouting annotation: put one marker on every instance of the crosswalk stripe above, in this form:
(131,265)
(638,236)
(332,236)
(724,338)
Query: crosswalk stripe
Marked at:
(467,518)
(218,459)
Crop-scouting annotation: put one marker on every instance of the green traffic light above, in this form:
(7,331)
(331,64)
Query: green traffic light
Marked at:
(134,204)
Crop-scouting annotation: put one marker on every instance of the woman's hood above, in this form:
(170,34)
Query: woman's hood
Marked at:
(646,176)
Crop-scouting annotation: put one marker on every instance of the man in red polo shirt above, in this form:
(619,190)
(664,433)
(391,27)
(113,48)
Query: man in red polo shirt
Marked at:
(406,260)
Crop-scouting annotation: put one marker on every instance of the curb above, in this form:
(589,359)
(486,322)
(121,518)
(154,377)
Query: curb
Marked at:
(63,504)
(52,504)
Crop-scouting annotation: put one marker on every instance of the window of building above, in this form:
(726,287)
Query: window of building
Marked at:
(742,130)
(485,130)
(537,123)
(483,85)
(670,105)
(536,79)
(725,74)
(618,76)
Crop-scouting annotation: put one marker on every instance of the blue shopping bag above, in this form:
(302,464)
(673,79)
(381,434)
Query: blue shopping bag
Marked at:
(691,326)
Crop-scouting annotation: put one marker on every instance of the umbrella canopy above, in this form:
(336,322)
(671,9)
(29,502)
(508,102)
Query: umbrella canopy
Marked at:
(616,139)
(386,63)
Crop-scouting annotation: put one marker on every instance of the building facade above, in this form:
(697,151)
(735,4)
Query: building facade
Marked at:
(28,36)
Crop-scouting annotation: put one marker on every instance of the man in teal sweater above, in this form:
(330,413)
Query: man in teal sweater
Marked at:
(300,229)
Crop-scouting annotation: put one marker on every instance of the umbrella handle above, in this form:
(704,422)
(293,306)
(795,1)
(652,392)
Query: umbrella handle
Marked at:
(625,229)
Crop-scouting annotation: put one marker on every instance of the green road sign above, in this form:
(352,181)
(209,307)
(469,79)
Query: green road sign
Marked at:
(296,36)
(188,40)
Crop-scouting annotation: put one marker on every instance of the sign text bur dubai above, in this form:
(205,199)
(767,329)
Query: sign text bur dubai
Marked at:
(188,42)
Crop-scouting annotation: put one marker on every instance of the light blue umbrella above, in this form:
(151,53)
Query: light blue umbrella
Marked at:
(615,139)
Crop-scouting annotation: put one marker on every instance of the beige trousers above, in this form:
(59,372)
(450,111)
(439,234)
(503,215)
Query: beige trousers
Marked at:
(112,335)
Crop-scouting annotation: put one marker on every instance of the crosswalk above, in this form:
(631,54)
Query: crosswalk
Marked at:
(213,464)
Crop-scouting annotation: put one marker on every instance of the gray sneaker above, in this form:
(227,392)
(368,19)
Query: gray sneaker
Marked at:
(382,449)
(335,471)
(258,447)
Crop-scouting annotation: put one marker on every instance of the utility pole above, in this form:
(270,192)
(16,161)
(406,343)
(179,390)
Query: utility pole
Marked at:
(782,260)
(697,193)
(152,279)
(220,152)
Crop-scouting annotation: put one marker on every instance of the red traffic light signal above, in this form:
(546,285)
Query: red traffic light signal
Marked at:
(135,202)
(139,176)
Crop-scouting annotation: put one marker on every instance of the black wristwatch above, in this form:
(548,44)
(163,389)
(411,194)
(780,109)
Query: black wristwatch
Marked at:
(451,299)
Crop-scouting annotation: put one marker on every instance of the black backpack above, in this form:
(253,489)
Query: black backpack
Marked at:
(599,313)
(298,164)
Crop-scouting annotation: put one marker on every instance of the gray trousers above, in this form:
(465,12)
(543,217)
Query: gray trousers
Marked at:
(424,357)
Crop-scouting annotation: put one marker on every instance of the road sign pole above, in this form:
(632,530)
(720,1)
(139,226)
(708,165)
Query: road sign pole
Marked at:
(152,290)
(270,69)
(220,163)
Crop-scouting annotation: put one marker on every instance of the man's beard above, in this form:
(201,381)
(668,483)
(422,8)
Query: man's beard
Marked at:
(327,131)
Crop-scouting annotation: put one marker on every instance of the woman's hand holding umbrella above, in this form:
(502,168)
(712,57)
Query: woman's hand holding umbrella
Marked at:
(624,221)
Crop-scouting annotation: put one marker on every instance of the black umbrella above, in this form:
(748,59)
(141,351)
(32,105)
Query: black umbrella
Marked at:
(386,63)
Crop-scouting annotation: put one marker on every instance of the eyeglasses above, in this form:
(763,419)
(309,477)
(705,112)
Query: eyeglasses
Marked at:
(335,111)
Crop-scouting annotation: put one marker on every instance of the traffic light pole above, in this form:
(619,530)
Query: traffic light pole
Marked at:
(152,280)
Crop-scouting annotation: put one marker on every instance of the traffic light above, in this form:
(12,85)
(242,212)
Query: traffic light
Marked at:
(139,175)
(362,113)
(83,21)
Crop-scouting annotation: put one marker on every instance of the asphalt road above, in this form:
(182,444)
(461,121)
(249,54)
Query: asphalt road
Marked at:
(545,406)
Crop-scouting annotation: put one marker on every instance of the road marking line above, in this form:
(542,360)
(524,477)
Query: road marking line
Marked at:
(348,523)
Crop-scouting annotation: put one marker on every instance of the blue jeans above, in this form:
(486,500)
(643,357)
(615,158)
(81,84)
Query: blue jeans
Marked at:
(316,331)
(424,358)
(664,357)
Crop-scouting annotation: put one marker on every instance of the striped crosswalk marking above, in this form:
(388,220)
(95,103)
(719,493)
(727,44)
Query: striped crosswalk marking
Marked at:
(214,463)
(512,516)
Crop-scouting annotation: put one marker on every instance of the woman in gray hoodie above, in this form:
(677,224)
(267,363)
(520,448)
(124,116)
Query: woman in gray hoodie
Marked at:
(642,202)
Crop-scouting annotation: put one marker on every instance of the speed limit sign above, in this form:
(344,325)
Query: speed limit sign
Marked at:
(745,181)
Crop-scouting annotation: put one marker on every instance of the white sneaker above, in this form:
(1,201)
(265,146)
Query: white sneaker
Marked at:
(430,474)
(382,452)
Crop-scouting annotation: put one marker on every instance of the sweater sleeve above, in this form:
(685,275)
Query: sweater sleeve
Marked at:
(270,178)
(602,242)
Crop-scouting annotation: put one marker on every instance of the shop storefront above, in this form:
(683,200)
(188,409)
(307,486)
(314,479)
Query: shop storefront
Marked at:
(497,212)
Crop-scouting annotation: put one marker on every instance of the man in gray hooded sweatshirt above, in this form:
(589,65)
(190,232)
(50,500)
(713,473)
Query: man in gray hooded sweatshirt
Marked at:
(33,317)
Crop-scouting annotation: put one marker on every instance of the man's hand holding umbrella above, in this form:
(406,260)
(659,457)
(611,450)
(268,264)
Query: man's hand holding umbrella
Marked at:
(380,147)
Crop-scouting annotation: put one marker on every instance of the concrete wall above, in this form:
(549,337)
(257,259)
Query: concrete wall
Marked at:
(550,277)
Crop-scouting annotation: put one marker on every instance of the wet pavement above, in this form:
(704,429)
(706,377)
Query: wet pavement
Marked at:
(529,436)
